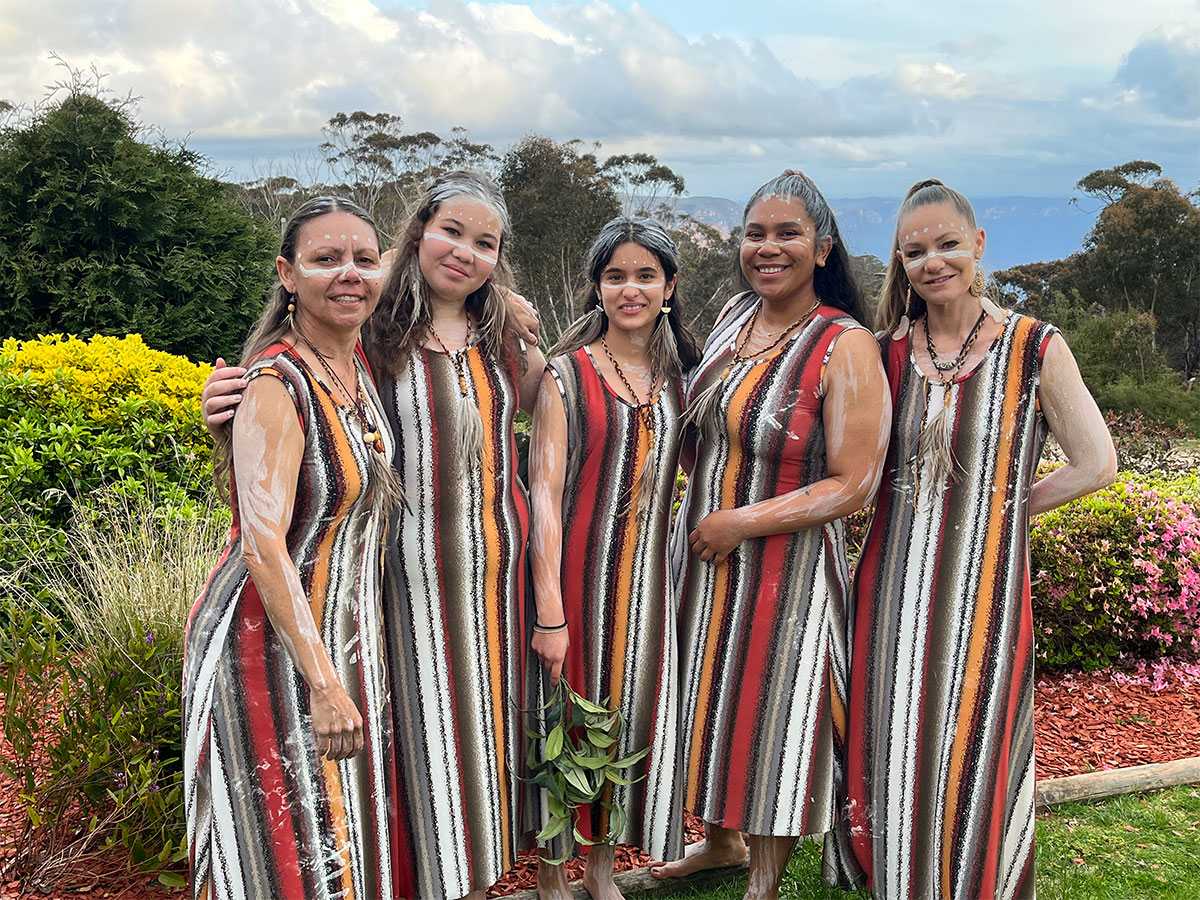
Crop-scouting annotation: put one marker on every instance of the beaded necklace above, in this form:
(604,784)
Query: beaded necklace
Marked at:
(955,364)
(460,368)
(741,344)
(371,435)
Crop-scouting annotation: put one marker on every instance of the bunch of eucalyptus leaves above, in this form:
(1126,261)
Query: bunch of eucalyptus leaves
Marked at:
(574,760)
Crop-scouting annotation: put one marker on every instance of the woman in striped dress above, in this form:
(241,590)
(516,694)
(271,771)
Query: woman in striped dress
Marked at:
(792,414)
(603,460)
(941,781)
(288,764)
(454,587)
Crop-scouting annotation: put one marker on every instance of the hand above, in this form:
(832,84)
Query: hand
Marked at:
(552,650)
(717,535)
(336,721)
(523,318)
(221,394)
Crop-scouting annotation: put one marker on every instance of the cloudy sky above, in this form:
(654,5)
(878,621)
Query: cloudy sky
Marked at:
(1011,97)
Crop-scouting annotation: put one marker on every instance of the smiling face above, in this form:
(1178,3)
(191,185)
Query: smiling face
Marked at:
(633,287)
(939,250)
(336,276)
(459,248)
(780,249)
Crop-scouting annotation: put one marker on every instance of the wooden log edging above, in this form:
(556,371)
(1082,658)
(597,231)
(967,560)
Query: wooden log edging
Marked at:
(1112,782)
(1050,792)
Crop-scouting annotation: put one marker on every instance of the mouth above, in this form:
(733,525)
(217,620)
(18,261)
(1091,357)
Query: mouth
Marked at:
(934,282)
(347,299)
(631,308)
(461,273)
(769,270)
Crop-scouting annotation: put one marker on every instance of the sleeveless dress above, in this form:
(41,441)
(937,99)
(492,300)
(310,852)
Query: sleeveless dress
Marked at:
(454,593)
(940,769)
(267,816)
(616,594)
(763,634)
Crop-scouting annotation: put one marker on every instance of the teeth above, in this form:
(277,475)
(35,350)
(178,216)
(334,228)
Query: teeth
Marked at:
(770,270)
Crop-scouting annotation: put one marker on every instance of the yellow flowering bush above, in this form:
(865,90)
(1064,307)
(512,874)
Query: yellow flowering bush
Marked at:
(111,379)
(78,416)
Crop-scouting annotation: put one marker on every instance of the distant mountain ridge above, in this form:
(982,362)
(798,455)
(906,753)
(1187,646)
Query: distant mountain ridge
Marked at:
(1018,229)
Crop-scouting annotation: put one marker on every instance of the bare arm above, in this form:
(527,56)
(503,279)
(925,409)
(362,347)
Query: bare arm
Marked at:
(547,474)
(531,381)
(268,445)
(1077,425)
(857,415)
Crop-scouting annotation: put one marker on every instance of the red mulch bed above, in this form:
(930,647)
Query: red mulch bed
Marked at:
(1083,723)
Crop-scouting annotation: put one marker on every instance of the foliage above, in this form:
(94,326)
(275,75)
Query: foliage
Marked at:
(575,761)
(384,169)
(558,200)
(708,263)
(1133,847)
(92,704)
(647,186)
(1117,574)
(1139,260)
(100,232)
(81,415)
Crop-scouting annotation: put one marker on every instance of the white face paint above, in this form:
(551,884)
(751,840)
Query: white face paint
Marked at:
(641,286)
(367,274)
(482,257)
(760,241)
(910,264)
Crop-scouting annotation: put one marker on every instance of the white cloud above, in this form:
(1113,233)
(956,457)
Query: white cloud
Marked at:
(938,80)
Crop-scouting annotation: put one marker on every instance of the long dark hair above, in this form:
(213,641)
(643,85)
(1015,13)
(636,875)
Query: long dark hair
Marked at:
(833,282)
(673,349)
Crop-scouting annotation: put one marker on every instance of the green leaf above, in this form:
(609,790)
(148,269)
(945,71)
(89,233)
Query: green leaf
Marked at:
(554,743)
(553,828)
(626,761)
(172,880)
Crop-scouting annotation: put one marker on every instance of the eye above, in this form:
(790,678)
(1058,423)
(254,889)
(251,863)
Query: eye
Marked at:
(450,230)
(950,244)
(486,244)
(913,253)
(368,261)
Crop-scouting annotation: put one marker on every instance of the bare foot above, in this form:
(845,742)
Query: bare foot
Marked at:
(721,848)
(552,882)
(598,874)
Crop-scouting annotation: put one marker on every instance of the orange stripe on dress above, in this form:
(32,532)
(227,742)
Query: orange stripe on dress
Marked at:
(737,404)
(625,566)
(494,591)
(337,820)
(1013,388)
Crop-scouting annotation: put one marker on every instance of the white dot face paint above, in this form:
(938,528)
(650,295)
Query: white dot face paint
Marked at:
(482,257)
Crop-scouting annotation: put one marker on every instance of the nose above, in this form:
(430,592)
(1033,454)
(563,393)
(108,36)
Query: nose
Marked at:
(463,254)
(767,248)
(350,273)
(630,292)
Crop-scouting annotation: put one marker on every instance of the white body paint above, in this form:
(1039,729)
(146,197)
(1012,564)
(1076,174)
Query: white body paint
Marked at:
(365,274)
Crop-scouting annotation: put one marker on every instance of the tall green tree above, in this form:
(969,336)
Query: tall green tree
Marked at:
(645,186)
(103,233)
(558,200)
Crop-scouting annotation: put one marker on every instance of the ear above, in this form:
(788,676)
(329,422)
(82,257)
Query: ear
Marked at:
(669,290)
(824,250)
(287,274)
(980,241)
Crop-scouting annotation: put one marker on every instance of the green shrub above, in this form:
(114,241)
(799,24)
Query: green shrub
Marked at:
(93,691)
(1117,574)
(79,416)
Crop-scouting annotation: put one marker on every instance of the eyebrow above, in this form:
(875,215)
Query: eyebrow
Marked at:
(462,227)
(939,237)
(787,224)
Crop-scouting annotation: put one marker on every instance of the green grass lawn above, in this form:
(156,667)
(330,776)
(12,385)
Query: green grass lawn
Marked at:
(1136,847)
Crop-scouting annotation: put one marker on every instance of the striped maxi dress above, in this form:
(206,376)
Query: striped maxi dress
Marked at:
(940,770)
(266,815)
(763,634)
(616,594)
(454,594)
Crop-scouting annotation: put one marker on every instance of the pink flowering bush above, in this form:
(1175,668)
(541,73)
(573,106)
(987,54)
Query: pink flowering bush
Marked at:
(1116,575)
